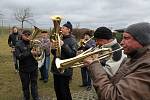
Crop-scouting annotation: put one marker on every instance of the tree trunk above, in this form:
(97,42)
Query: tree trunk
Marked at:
(22,24)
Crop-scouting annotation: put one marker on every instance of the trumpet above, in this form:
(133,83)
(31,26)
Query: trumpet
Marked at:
(72,62)
(83,43)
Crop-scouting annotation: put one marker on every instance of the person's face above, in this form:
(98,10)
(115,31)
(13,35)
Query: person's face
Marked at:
(65,30)
(86,37)
(129,44)
(44,34)
(26,37)
(15,30)
(101,42)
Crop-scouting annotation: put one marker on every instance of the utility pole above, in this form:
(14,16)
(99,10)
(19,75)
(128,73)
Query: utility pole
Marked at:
(2,26)
(2,22)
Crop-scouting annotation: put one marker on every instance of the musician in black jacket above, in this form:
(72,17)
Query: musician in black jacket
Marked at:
(12,39)
(68,50)
(28,69)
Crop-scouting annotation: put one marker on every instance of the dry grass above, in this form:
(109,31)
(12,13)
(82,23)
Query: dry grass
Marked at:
(10,85)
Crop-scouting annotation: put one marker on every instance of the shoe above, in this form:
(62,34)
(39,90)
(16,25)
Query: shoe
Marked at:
(89,88)
(45,80)
(82,85)
(37,98)
(41,79)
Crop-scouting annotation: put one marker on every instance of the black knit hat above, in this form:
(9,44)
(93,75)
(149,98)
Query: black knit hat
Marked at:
(68,25)
(103,33)
(141,32)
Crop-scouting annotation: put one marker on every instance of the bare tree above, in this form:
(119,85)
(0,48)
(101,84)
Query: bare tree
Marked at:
(24,15)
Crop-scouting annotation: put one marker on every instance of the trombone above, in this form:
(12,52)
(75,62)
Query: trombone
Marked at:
(67,63)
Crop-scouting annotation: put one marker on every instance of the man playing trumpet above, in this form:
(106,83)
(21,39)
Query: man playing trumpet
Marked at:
(104,39)
(85,45)
(132,79)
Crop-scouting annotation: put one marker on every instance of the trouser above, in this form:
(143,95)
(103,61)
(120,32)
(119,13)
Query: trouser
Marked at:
(61,86)
(45,68)
(86,80)
(15,61)
(28,78)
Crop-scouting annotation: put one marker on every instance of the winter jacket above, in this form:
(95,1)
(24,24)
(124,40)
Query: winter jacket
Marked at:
(68,50)
(27,62)
(131,81)
(12,39)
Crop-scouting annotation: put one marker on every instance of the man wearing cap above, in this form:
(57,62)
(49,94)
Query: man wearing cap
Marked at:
(28,66)
(132,79)
(104,38)
(68,50)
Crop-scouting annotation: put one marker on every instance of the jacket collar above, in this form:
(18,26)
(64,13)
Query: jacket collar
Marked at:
(114,45)
(110,44)
(15,33)
(66,36)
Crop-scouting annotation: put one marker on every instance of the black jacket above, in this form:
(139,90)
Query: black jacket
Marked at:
(12,39)
(27,62)
(68,50)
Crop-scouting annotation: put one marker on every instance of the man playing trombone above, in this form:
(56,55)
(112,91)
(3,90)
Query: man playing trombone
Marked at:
(132,79)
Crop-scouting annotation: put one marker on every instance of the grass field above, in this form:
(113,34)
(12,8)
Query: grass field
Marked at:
(10,85)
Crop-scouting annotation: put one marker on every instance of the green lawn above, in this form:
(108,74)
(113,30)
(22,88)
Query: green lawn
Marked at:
(10,85)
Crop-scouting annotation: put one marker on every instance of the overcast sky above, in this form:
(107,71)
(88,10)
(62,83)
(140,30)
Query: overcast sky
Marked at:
(87,13)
